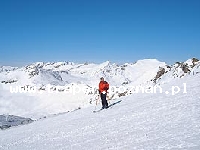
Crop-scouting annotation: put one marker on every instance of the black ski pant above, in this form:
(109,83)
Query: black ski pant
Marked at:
(103,100)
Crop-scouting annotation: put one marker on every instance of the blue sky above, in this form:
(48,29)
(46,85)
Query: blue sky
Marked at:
(98,30)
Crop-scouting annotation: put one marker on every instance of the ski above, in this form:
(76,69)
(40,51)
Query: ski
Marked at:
(109,106)
(95,111)
(100,110)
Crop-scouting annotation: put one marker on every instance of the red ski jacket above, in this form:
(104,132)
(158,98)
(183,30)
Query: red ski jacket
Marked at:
(103,86)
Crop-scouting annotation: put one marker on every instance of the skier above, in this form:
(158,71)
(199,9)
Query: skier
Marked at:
(103,87)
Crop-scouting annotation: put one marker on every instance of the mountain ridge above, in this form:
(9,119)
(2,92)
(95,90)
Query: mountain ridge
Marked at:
(58,76)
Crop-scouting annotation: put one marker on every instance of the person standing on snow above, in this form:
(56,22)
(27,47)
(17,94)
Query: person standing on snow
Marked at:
(103,88)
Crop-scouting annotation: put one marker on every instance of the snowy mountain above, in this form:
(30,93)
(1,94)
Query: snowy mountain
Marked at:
(65,72)
(138,121)
(63,76)
(178,70)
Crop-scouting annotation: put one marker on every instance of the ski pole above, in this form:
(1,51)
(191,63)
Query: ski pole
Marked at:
(97,98)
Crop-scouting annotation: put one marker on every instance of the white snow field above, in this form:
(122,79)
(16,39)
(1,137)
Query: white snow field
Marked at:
(137,121)
(65,74)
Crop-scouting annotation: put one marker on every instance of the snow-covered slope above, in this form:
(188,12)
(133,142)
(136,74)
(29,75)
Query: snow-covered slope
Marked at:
(7,68)
(66,74)
(86,76)
(178,70)
(139,121)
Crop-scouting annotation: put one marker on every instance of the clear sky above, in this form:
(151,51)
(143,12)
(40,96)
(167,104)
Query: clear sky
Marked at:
(98,30)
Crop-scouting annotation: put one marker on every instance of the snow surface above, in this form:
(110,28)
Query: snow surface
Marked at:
(65,74)
(136,121)
(139,121)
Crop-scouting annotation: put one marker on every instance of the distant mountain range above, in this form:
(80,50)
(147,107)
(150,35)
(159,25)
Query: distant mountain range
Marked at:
(61,73)
(147,72)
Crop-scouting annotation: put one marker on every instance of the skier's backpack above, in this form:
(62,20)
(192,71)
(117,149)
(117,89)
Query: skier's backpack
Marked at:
(106,85)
